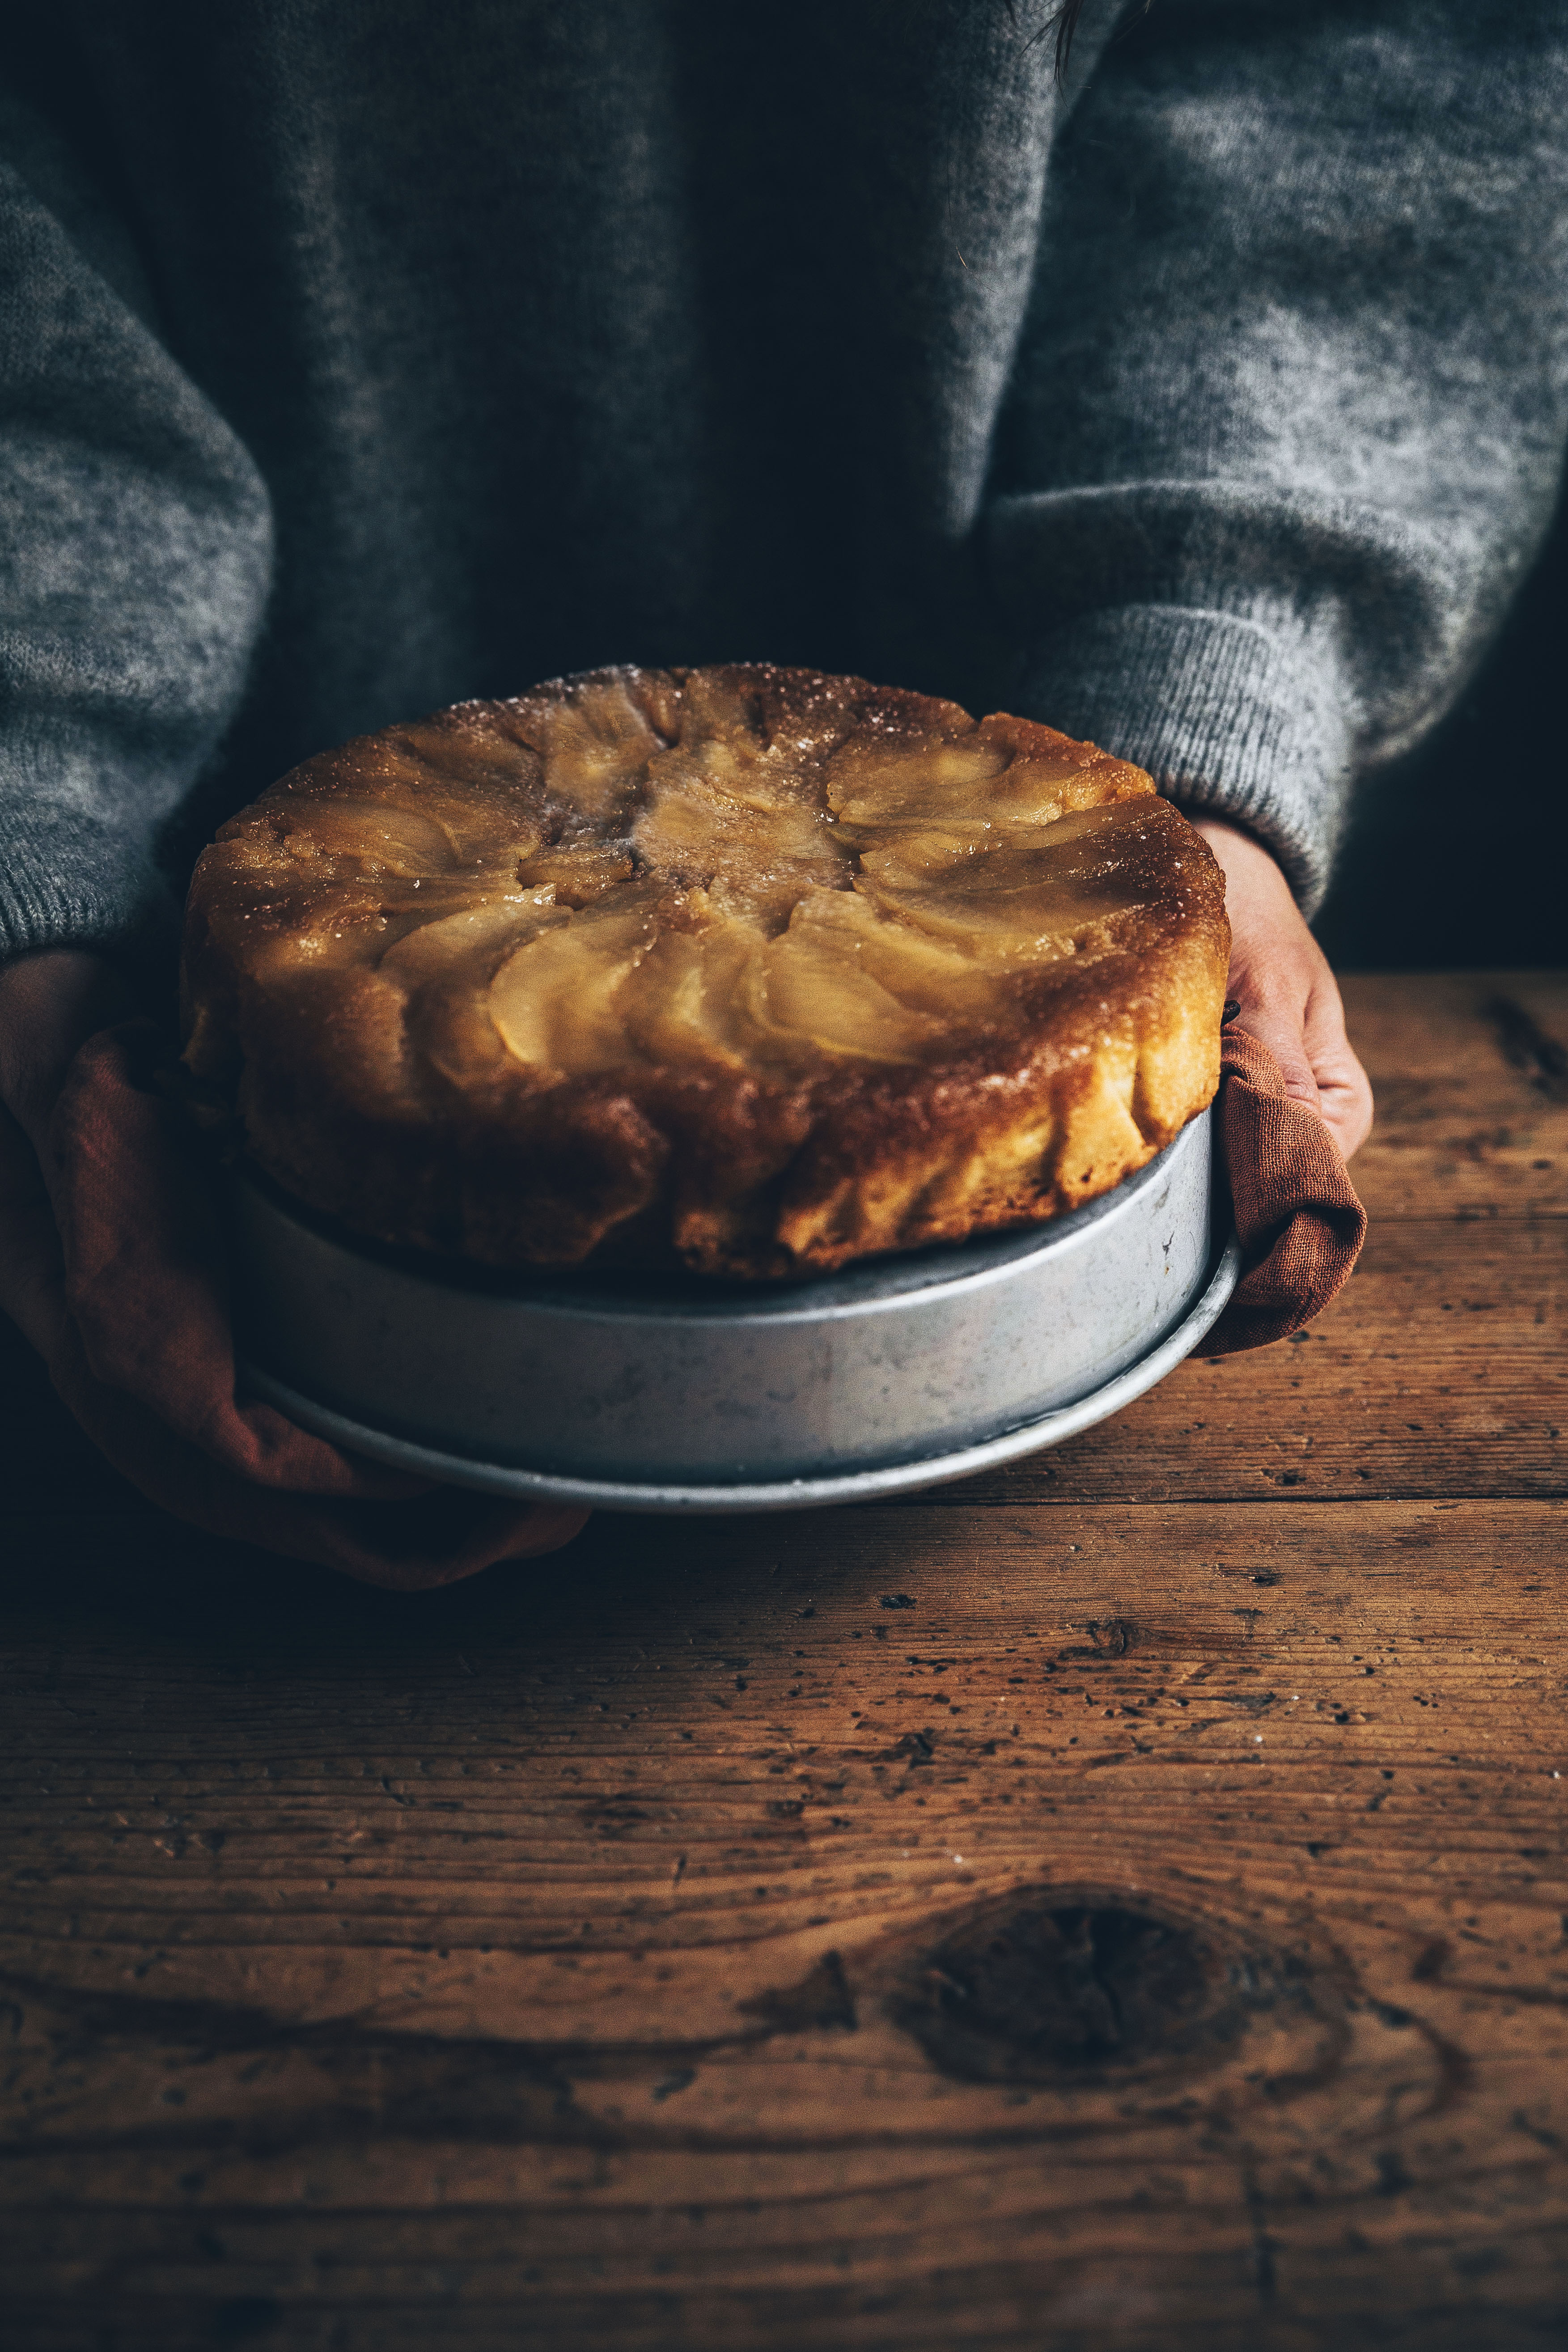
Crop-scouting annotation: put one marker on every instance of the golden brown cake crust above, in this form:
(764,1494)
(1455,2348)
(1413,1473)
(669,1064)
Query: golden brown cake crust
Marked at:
(750,969)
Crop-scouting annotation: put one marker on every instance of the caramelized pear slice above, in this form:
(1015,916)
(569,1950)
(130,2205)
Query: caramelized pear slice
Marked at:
(464,746)
(906,859)
(364,836)
(926,974)
(553,1002)
(1051,771)
(597,746)
(810,992)
(449,966)
(740,767)
(873,784)
(1004,773)
(433,948)
(685,1005)
(1038,899)
(578,872)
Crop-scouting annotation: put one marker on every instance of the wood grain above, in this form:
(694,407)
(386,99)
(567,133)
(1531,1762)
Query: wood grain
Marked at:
(1124,1907)
(1470,1072)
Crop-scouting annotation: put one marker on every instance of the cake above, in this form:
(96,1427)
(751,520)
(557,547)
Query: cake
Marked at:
(751,970)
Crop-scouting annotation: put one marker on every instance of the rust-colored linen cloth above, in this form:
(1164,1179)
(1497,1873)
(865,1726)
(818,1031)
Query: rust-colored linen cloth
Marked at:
(146,1360)
(1301,1224)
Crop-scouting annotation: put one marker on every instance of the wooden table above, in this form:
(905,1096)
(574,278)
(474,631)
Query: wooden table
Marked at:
(1119,1903)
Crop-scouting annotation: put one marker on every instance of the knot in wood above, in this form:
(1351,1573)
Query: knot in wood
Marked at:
(1053,1991)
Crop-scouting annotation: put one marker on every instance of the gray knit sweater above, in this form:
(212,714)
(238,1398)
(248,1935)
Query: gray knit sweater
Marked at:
(360,355)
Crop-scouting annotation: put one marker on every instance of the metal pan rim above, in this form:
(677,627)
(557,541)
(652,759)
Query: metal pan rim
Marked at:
(782,1494)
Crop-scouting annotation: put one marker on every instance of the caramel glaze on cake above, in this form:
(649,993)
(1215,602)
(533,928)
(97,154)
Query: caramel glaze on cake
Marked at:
(750,969)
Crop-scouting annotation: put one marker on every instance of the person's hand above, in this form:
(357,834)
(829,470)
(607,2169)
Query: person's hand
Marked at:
(1281,978)
(49,1005)
(114,1264)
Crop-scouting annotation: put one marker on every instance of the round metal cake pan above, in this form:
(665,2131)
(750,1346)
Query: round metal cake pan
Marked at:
(679,1396)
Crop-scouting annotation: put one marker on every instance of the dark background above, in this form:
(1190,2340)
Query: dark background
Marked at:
(1458,855)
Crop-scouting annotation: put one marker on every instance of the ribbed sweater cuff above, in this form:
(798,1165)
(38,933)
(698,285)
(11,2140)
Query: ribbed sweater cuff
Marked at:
(1244,717)
(70,880)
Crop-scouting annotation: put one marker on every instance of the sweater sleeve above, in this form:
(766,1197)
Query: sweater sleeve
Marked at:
(135,551)
(1289,409)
